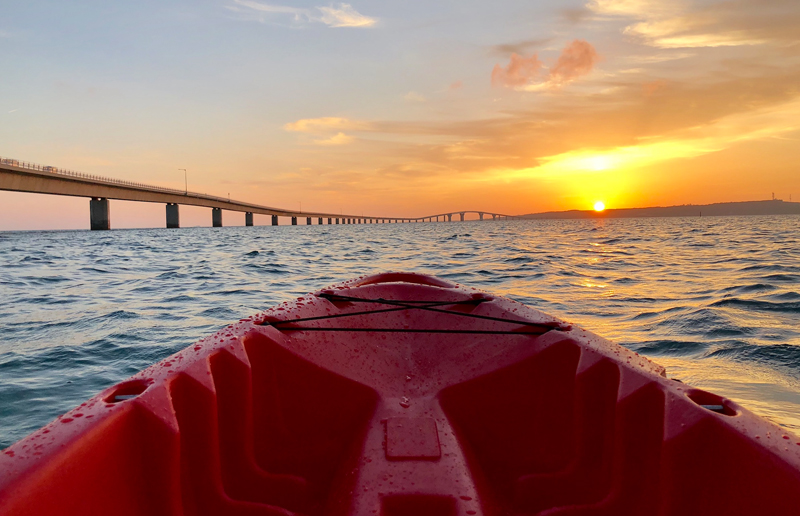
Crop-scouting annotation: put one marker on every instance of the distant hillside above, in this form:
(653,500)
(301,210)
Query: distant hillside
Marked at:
(774,207)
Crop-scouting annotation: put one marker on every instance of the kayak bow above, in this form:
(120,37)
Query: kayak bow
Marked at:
(401,394)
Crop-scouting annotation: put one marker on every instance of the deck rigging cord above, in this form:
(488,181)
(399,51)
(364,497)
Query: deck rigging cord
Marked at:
(400,305)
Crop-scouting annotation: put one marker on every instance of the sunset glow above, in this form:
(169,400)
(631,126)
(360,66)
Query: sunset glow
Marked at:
(640,102)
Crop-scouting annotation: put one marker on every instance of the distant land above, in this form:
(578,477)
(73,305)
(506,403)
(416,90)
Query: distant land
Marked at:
(771,207)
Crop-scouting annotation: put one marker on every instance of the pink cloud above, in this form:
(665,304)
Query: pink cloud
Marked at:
(519,72)
(577,60)
(456,85)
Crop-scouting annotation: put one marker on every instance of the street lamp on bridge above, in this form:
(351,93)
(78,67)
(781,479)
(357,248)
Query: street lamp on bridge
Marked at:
(185,180)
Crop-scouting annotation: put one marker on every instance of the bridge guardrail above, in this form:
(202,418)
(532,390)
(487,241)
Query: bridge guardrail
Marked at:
(101,179)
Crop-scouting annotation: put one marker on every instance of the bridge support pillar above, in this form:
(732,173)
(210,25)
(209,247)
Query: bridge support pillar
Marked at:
(494,217)
(248,218)
(99,215)
(449,217)
(308,221)
(319,222)
(329,220)
(294,221)
(462,216)
(173,217)
(337,221)
(274,220)
(216,217)
(480,215)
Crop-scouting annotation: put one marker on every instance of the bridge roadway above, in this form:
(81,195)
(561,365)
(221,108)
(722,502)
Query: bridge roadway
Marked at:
(20,176)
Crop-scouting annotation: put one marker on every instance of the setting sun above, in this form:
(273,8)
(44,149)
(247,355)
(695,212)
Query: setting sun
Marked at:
(599,206)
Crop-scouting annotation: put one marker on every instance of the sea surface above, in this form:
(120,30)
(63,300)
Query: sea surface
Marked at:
(716,299)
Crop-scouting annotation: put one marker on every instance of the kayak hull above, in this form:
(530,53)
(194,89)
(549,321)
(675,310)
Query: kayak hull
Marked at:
(401,394)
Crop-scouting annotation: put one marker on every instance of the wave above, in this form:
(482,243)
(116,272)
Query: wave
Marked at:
(752,304)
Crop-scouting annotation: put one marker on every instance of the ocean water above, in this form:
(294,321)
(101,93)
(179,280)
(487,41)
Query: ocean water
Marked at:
(715,300)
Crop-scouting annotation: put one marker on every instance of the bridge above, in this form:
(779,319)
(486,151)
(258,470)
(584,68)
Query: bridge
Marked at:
(22,176)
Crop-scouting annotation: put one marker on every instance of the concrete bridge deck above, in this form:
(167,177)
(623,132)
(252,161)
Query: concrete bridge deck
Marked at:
(21,176)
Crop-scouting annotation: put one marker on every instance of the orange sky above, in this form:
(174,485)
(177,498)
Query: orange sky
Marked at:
(409,110)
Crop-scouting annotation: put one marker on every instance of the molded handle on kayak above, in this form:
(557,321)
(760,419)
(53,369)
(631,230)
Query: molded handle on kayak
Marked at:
(403,277)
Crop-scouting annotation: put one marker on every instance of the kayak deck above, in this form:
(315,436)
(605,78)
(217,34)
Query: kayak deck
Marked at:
(403,395)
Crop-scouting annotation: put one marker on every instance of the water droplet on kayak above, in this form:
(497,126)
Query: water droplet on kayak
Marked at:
(405,402)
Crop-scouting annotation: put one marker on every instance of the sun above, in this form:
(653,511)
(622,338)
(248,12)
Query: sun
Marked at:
(599,206)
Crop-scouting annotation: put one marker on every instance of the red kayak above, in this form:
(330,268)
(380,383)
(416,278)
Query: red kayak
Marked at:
(403,395)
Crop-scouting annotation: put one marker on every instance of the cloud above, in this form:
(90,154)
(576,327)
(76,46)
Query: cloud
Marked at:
(769,122)
(456,86)
(345,16)
(267,8)
(635,8)
(317,125)
(337,139)
(4,34)
(413,96)
(684,24)
(658,58)
(519,72)
(342,16)
(676,120)
(519,47)
(576,60)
